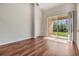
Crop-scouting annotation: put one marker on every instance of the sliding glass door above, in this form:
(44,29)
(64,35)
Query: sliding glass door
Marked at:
(60,26)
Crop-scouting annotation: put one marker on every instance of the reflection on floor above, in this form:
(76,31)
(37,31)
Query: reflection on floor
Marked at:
(57,39)
(61,37)
(41,46)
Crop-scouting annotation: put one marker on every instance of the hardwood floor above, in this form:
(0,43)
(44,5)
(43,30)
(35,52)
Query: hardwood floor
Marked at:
(39,47)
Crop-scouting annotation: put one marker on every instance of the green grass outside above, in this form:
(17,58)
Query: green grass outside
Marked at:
(65,34)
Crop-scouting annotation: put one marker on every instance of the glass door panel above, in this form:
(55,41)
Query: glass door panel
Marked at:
(60,27)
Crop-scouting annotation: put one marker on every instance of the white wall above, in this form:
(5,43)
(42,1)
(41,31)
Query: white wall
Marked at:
(78,25)
(37,21)
(15,22)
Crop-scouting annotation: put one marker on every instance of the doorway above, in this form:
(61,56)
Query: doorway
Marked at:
(60,27)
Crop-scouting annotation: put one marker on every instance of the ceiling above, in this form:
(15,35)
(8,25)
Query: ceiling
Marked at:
(45,6)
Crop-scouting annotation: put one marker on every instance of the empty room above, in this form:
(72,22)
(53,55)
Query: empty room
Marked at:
(39,29)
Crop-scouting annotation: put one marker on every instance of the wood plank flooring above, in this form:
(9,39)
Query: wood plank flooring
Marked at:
(39,47)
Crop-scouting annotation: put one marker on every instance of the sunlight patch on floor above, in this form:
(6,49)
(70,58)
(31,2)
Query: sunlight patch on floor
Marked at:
(56,39)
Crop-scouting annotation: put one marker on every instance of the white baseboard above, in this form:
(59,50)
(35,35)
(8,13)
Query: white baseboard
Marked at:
(3,43)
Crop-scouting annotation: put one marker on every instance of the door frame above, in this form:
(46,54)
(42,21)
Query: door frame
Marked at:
(57,15)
